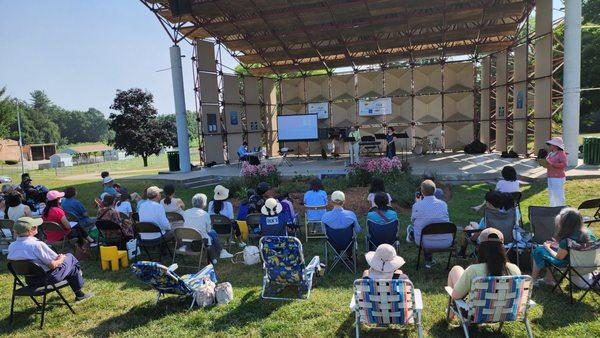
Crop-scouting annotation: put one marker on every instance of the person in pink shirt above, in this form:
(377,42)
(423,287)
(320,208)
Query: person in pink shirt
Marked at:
(557,162)
(53,212)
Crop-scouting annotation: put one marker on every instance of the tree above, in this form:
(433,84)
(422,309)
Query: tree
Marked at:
(81,126)
(7,114)
(190,119)
(36,124)
(137,129)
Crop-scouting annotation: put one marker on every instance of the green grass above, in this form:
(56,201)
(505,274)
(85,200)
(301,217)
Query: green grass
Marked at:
(125,307)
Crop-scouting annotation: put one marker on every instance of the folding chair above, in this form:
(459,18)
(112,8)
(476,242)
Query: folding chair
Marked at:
(253,223)
(506,222)
(437,229)
(283,261)
(53,226)
(159,242)
(124,215)
(493,299)
(312,216)
(71,217)
(111,234)
(582,260)
(6,233)
(382,302)
(593,204)
(175,219)
(542,221)
(135,217)
(378,233)
(29,269)
(165,281)
(344,246)
(183,242)
(223,227)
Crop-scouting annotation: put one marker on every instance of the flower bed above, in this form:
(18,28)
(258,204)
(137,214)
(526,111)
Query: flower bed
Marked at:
(254,174)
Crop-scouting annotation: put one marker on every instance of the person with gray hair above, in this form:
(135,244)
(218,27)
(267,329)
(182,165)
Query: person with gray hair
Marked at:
(152,211)
(197,218)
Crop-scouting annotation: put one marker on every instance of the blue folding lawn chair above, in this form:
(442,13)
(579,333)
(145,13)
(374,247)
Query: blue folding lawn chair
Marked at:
(343,244)
(381,233)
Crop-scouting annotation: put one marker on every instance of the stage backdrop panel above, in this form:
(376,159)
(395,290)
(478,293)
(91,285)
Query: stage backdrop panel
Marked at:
(317,89)
(342,87)
(231,89)
(428,80)
(213,148)
(458,77)
(292,91)
(234,141)
(208,87)
(398,82)
(233,118)
(370,85)
(205,56)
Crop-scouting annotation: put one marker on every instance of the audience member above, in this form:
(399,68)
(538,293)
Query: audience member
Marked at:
(492,261)
(244,206)
(556,162)
(73,206)
(53,212)
(245,155)
(15,208)
(221,206)
(569,224)
(288,208)
(384,263)
(509,182)
(58,267)
(273,222)
(256,201)
(170,202)
(377,185)
(109,213)
(109,186)
(124,205)
(428,210)
(338,217)
(315,197)
(382,213)
(197,218)
(152,211)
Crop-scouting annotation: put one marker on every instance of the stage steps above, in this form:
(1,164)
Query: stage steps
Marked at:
(201,182)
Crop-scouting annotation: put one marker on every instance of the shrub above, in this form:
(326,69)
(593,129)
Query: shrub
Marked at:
(254,174)
(237,187)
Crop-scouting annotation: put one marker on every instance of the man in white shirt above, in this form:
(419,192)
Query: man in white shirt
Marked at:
(153,212)
(57,267)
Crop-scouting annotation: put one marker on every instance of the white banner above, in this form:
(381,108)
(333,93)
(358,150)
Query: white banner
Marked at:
(319,108)
(382,106)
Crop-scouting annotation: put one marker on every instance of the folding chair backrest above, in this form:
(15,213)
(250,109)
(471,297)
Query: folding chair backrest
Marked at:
(174,217)
(25,268)
(505,221)
(386,233)
(109,230)
(438,229)
(159,277)
(221,224)
(314,213)
(253,221)
(187,234)
(542,221)
(123,215)
(8,225)
(135,217)
(340,239)
(584,259)
(51,226)
(146,227)
(592,204)
(71,217)
(282,258)
(495,299)
(384,301)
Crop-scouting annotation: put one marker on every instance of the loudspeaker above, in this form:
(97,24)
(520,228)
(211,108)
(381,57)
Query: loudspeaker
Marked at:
(180,7)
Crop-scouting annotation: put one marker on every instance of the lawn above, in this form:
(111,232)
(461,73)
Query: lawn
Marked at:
(125,307)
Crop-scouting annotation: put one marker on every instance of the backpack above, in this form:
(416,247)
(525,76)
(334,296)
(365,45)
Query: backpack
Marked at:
(251,255)
(224,293)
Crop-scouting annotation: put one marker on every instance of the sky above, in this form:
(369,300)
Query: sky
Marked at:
(81,51)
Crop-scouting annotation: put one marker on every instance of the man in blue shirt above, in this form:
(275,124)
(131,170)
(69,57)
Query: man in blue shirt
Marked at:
(109,188)
(247,156)
(338,218)
(73,206)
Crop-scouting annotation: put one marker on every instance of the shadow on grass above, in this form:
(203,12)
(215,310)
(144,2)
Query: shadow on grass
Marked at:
(250,309)
(140,315)
(442,328)
(31,316)
(559,303)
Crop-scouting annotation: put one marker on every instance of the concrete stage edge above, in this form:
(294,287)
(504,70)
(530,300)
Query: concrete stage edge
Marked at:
(447,167)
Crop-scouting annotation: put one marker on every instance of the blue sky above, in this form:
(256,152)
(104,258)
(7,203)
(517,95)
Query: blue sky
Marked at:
(81,51)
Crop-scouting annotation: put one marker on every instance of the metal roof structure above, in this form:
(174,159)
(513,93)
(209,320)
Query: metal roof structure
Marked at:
(283,36)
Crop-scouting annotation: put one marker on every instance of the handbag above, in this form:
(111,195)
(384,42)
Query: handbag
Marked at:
(204,295)
(132,248)
(250,255)
(224,293)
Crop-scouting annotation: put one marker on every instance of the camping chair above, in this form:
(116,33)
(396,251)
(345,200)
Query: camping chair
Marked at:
(53,226)
(253,223)
(593,204)
(383,302)
(223,227)
(493,299)
(378,233)
(165,281)
(582,261)
(175,219)
(437,229)
(110,234)
(517,196)
(506,223)
(28,268)
(283,261)
(150,228)
(344,246)
(542,221)
(314,220)
(183,243)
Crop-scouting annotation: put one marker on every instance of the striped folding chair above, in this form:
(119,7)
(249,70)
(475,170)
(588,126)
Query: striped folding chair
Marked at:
(494,299)
(383,302)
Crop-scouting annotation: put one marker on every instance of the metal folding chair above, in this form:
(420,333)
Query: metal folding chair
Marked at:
(159,242)
(183,243)
(344,246)
(53,226)
(6,232)
(111,233)
(223,226)
(506,222)
(592,204)
(175,219)
(253,222)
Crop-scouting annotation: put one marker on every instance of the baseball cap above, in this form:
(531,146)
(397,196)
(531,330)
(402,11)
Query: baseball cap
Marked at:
(107,179)
(491,235)
(338,196)
(53,194)
(24,224)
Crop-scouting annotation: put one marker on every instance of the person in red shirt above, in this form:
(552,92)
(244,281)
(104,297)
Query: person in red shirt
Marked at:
(53,212)
(556,164)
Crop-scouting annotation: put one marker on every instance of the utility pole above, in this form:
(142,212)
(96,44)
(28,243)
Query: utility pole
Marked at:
(20,139)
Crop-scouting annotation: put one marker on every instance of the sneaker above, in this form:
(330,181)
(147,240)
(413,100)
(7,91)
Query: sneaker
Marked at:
(225,254)
(214,262)
(542,281)
(93,244)
(241,244)
(429,264)
(409,238)
(83,297)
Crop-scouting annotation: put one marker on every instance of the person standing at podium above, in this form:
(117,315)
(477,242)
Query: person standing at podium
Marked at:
(355,145)
(390,149)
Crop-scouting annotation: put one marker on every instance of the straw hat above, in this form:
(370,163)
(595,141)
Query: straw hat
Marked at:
(272,207)
(384,259)
(557,141)
(221,193)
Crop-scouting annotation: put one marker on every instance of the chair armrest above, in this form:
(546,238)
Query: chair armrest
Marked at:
(418,300)
(172,267)
(461,304)
(314,262)
(531,303)
(448,290)
(353,304)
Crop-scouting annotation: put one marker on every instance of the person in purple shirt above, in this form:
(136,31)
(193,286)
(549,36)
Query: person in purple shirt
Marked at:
(428,210)
(338,217)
